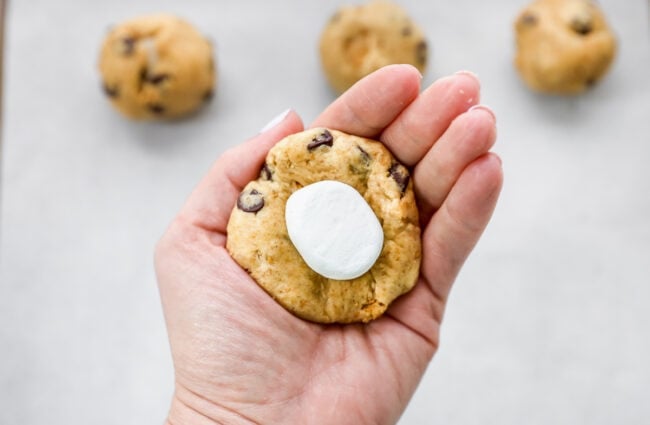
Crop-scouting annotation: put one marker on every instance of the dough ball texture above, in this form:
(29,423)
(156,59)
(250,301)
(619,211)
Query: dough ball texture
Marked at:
(361,39)
(257,235)
(157,67)
(563,46)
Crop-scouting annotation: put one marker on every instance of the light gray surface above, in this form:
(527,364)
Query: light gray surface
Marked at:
(548,320)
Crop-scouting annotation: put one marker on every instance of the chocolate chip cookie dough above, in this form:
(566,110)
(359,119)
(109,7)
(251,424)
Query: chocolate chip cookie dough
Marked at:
(259,242)
(361,39)
(563,46)
(157,67)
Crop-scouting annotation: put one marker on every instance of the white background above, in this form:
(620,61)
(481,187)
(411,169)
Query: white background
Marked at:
(548,322)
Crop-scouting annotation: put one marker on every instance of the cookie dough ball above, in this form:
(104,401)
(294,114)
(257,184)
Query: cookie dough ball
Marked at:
(563,46)
(259,241)
(157,67)
(361,39)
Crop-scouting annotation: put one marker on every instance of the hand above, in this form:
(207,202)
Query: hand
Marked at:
(239,357)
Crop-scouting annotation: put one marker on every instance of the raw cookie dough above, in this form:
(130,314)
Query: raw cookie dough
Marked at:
(157,67)
(563,46)
(258,239)
(361,39)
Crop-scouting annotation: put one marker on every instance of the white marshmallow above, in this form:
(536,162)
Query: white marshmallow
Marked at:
(334,229)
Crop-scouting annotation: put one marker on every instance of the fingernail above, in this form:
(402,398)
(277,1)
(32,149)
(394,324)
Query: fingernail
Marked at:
(469,74)
(408,66)
(275,121)
(484,108)
(498,158)
(466,72)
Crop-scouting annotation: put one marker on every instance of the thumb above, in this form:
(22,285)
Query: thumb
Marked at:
(210,204)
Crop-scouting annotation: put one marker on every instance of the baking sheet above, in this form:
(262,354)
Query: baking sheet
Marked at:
(547,322)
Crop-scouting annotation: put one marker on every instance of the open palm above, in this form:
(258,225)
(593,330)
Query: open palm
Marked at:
(239,357)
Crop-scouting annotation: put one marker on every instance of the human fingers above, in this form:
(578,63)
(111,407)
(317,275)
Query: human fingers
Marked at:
(418,127)
(456,226)
(210,204)
(469,136)
(373,102)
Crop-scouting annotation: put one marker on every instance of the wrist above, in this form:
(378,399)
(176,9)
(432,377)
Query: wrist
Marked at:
(181,414)
(188,408)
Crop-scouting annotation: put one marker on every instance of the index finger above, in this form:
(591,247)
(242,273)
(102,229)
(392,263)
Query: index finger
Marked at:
(422,123)
(370,105)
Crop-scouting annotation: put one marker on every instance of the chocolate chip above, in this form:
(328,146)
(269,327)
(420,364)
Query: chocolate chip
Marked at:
(208,95)
(335,17)
(400,174)
(581,25)
(128,45)
(111,92)
(325,138)
(421,52)
(156,108)
(407,31)
(529,19)
(364,155)
(265,172)
(142,78)
(156,78)
(250,201)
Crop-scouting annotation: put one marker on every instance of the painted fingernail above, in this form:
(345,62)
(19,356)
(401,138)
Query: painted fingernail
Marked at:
(466,72)
(407,66)
(498,158)
(275,121)
(469,74)
(484,108)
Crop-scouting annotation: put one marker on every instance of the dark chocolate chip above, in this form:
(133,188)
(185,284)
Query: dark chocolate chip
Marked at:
(266,173)
(156,108)
(142,78)
(325,138)
(400,174)
(407,31)
(250,201)
(591,82)
(208,95)
(128,45)
(581,26)
(421,52)
(364,155)
(156,78)
(529,19)
(111,92)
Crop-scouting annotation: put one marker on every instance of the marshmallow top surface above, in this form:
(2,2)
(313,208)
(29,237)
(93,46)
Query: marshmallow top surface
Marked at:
(334,229)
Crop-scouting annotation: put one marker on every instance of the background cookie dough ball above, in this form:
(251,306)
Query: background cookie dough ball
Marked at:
(563,46)
(361,39)
(157,67)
